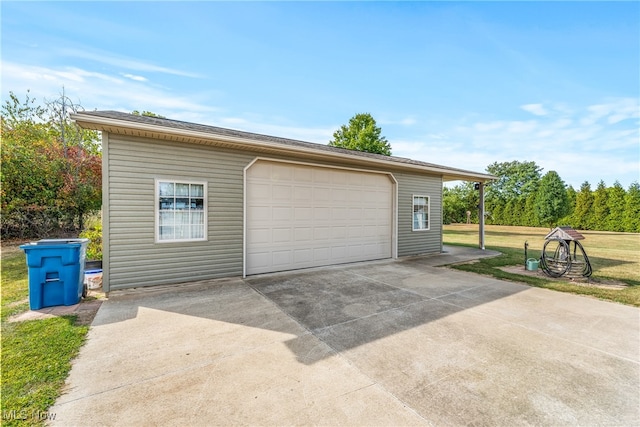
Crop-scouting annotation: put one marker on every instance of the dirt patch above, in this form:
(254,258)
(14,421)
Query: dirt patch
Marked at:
(588,282)
(85,311)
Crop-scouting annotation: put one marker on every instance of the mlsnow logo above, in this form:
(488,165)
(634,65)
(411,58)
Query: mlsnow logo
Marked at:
(23,415)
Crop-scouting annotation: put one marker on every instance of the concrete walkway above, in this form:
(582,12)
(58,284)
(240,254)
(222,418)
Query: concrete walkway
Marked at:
(395,342)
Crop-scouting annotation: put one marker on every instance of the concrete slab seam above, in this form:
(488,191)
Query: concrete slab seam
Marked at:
(370,315)
(131,383)
(388,284)
(345,359)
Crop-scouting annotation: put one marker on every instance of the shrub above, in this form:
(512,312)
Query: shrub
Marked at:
(94,248)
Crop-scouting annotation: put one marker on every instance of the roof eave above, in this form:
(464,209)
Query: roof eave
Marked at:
(107,123)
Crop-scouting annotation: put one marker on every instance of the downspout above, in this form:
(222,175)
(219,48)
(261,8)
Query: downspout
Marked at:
(481,215)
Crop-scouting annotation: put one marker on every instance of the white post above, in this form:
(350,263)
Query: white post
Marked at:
(481,215)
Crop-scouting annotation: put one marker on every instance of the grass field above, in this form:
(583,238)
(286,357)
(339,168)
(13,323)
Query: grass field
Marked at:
(614,256)
(36,354)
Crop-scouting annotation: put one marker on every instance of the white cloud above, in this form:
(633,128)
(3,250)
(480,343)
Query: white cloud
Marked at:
(408,121)
(134,77)
(536,109)
(521,127)
(97,90)
(593,142)
(614,111)
(124,62)
(581,144)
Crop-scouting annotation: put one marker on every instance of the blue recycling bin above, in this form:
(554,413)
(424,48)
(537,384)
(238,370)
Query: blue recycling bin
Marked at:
(56,271)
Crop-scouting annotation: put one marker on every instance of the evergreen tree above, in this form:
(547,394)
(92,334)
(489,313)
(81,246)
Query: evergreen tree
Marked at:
(632,209)
(531,219)
(600,207)
(495,215)
(583,212)
(571,195)
(519,212)
(616,203)
(551,202)
(508,213)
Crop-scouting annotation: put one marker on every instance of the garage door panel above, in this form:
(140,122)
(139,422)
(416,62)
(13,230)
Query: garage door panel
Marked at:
(261,261)
(280,213)
(304,234)
(281,192)
(281,258)
(338,232)
(259,236)
(302,194)
(321,233)
(303,216)
(279,172)
(303,174)
(281,235)
(354,179)
(321,176)
(261,170)
(322,195)
(354,197)
(303,256)
(260,191)
(322,214)
(355,214)
(322,255)
(339,252)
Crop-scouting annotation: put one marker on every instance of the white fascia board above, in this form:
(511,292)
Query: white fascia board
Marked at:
(448,174)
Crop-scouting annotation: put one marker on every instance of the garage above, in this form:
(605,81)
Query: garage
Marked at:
(301,215)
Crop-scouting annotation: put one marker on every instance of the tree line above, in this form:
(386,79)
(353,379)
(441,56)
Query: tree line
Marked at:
(52,178)
(522,196)
(51,169)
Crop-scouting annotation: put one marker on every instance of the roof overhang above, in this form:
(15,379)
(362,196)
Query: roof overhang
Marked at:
(155,131)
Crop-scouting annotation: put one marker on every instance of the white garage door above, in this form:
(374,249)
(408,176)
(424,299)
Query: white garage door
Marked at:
(300,216)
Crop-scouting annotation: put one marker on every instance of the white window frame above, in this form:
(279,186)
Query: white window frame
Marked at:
(158,210)
(413,212)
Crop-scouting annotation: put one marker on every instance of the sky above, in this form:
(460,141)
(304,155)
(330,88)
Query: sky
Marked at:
(460,84)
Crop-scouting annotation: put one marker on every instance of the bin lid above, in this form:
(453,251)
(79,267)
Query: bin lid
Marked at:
(60,241)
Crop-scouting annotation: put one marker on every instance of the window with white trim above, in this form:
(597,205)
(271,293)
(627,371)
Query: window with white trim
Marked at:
(181,211)
(420,213)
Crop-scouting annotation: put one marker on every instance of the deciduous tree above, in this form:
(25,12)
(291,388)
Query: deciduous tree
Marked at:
(50,168)
(361,134)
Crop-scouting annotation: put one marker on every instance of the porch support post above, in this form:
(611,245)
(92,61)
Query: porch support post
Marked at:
(481,215)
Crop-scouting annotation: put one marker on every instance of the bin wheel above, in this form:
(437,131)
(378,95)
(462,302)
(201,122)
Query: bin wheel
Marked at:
(84,290)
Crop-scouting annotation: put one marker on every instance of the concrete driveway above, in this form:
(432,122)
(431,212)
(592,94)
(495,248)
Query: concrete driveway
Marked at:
(396,342)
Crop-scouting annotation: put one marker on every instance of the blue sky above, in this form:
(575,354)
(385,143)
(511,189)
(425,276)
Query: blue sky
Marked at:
(461,84)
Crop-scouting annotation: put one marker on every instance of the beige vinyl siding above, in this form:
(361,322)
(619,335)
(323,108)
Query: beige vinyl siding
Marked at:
(134,259)
(419,242)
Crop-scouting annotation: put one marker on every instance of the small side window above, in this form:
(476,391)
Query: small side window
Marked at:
(181,211)
(420,213)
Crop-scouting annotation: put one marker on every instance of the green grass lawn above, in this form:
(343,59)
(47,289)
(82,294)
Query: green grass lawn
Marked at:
(613,256)
(36,354)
